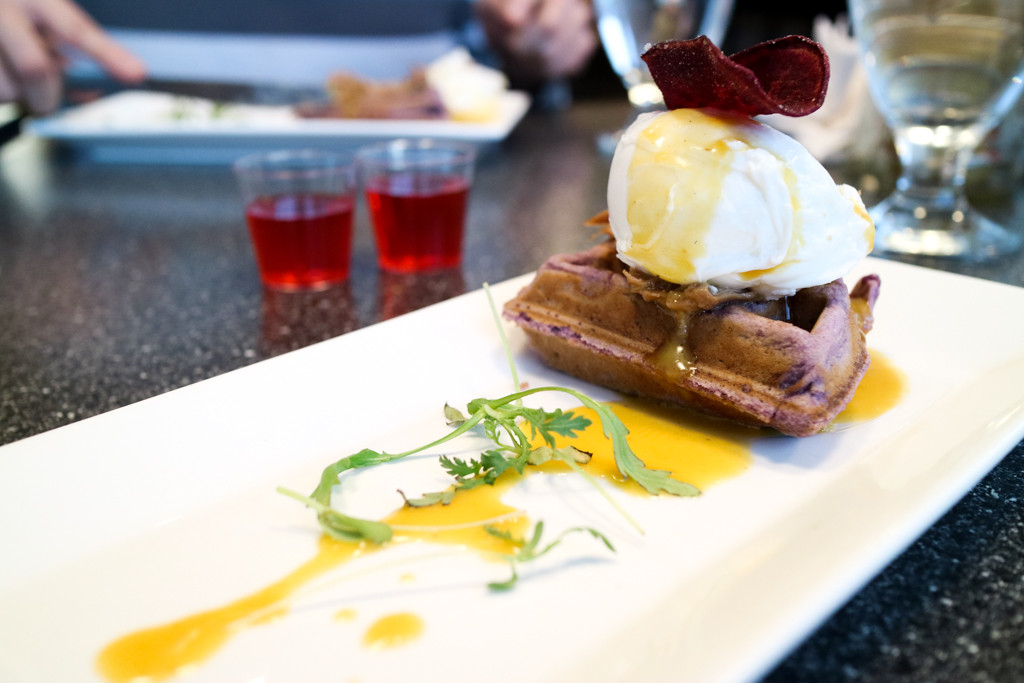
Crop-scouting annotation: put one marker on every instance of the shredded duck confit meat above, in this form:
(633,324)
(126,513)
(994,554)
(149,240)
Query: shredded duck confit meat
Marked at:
(682,300)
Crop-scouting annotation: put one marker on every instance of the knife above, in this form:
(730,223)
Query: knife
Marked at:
(239,93)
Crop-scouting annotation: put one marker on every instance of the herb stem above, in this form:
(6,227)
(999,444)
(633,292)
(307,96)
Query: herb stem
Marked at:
(592,480)
(311,503)
(504,340)
(471,422)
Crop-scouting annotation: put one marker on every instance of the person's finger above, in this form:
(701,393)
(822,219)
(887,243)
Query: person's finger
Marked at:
(582,42)
(28,60)
(8,91)
(70,25)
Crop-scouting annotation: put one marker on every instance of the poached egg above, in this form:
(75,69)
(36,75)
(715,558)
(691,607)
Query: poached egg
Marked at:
(698,195)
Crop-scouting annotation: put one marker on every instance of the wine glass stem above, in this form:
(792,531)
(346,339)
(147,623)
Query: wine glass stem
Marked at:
(934,167)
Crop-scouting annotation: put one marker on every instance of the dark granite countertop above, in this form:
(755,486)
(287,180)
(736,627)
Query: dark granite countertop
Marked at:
(119,283)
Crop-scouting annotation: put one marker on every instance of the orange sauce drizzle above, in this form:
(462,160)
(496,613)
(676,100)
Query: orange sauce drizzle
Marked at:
(882,388)
(158,653)
(155,654)
(697,450)
(345,614)
(393,630)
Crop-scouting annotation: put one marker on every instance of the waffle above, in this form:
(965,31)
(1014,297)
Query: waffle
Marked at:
(791,364)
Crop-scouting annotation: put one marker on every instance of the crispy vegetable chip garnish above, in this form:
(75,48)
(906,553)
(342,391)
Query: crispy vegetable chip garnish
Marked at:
(782,76)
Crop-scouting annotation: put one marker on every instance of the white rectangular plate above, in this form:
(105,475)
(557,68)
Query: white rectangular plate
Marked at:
(135,126)
(167,507)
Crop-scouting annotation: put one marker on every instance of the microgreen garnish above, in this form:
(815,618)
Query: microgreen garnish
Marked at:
(340,526)
(505,422)
(530,549)
(428,499)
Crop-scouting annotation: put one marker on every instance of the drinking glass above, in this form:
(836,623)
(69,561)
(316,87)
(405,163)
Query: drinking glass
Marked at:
(943,73)
(417,192)
(628,27)
(299,206)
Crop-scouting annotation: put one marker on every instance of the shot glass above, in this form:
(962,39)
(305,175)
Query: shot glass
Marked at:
(299,206)
(416,192)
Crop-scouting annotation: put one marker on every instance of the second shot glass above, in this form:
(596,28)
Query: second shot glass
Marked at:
(417,193)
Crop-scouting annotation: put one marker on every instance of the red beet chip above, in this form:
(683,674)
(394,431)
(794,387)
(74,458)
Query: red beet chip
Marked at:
(782,76)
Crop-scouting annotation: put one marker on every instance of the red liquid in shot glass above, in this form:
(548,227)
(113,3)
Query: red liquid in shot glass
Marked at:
(302,241)
(418,228)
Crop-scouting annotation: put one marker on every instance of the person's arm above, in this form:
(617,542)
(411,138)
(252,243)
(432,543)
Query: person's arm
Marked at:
(31,35)
(539,40)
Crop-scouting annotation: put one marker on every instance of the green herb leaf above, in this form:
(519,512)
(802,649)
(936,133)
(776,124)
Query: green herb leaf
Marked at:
(503,535)
(496,463)
(329,477)
(653,481)
(341,526)
(528,548)
(453,415)
(566,454)
(631,466)
(546,424)
(427,499)
(459,468)
(345,528)
(508,584)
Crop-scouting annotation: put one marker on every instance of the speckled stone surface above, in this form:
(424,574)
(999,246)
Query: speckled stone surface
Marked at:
(950,608)
(118,283)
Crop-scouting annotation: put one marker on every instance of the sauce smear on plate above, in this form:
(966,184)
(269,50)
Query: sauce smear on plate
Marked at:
(697,450)
(882,388)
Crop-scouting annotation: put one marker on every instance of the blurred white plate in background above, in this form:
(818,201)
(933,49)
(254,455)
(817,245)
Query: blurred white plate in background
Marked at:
(152,127)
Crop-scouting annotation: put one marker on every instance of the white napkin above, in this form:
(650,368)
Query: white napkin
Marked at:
(847,124)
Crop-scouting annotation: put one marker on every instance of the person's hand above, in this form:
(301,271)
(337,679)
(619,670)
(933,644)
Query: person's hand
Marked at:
(539,40)
(31,34)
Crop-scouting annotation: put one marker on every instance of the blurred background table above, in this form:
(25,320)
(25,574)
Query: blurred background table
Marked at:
(118,283)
